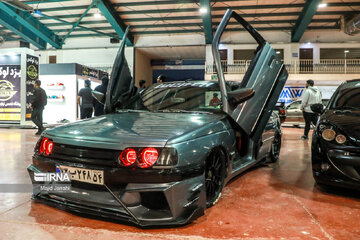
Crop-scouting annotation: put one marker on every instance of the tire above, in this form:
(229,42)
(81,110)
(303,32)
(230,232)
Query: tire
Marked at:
(275,148)
(215,170)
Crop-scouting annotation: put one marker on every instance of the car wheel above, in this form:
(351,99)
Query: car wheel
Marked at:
(275,148)
(215,169)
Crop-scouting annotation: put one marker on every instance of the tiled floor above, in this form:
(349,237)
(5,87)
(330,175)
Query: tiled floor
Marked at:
(278,201)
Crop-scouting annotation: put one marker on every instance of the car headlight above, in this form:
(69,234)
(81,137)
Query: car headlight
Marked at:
(328,135)
(340,139)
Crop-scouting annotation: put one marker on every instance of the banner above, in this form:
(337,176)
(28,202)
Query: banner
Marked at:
(10,106)
(32,74)
(88,72)
(290,94)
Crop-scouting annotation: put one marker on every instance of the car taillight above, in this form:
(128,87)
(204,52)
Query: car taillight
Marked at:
(148,157)
(46,146)
(42,146)
(128,157)
(283,111)
(49,147)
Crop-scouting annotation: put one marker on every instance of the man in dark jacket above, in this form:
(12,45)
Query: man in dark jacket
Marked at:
(85,101)
(142,85)
(99,107)
(37,105)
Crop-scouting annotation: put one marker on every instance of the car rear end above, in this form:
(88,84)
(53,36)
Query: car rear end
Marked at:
(150,191)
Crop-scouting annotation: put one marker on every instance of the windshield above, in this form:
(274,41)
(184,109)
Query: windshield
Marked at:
(347,98)
(181,97)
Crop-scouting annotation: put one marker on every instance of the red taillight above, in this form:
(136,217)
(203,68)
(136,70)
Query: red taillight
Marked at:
(42,146)
(283,111)
(148,157)
(128,156)
(49,147)
(46,146)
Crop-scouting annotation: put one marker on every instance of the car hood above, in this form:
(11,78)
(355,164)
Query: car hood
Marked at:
(129,128)
(346,120)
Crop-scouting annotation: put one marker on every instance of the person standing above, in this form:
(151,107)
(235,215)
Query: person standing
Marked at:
(142,85)
(215,101)
(311,96)
(37,105)
(161,78)
(99,107)
(85,101)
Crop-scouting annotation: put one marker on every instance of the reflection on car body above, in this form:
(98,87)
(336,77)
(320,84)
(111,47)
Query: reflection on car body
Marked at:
(166,153)
(336,139)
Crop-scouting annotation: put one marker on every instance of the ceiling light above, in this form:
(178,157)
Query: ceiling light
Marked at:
(277,52)
(97,15)
(346,51)
(203,10)
(322,5)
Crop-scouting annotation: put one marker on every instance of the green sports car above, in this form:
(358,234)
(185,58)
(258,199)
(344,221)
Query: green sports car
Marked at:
(162,156)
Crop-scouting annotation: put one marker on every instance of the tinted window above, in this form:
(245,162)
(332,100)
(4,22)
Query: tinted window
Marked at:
(182,96)
(348,97)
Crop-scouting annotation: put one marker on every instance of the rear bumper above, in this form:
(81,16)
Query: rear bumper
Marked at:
(146,204)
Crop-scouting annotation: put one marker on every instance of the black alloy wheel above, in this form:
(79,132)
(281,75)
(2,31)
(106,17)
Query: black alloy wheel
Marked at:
(275,148)
(214,176)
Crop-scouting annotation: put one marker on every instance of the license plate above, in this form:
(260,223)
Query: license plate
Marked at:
(84,175)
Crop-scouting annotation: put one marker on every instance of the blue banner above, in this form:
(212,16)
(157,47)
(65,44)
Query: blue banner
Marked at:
(290,94)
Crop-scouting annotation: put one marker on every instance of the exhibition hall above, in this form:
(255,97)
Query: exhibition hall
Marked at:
(179,119)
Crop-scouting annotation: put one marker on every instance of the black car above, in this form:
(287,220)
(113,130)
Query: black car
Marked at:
(336,139)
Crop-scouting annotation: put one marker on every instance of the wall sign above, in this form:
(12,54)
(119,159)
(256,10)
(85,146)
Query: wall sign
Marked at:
(88,72)
(10,107)
(32,74)
(290,94)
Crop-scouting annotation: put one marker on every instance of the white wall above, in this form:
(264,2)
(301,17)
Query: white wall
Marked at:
(88,55)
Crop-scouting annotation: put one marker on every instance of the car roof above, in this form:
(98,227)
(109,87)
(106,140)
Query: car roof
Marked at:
(350,84)
(353,80)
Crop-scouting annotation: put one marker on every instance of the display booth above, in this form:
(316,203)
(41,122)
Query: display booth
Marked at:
(19,69)
(62,83)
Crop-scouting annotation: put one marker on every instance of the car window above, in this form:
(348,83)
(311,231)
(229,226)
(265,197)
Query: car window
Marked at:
(294,105)
(347,98)
(180,97)
(325,102)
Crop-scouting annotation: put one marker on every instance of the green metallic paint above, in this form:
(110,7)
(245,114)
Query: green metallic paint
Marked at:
(141,129)
(19,21)
(207,22)
(78,22)
(114,19)
(80,26)
(243,7)
(8,22)
(246,15)
(304,19)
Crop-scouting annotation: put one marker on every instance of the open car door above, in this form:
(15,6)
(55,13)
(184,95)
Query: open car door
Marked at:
(121,90)
(252,104)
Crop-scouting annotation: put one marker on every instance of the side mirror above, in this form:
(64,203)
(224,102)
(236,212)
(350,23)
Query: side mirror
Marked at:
(240,95)
(100,97)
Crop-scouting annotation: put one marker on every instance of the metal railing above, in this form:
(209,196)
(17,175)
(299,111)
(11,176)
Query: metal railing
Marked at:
(322,66)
